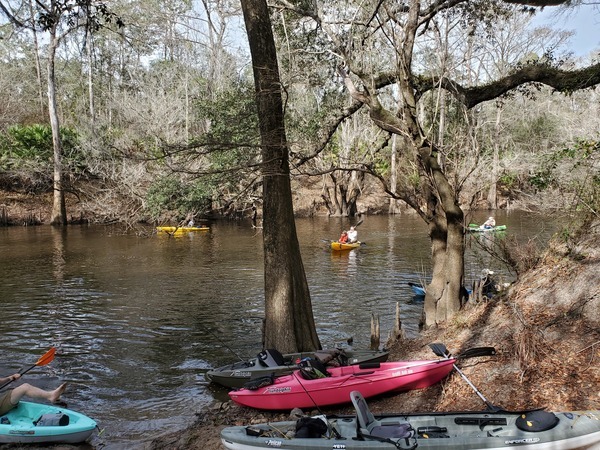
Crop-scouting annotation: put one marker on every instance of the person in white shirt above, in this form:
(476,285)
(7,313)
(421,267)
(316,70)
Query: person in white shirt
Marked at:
(352,235)
(490,223)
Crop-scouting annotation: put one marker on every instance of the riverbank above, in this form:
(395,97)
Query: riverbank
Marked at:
(546,330)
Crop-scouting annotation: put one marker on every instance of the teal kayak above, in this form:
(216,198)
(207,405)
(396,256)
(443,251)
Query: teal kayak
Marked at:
(36,423)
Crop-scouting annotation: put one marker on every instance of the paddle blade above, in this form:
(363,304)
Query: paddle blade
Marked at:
(46,358)
(477,351)
(440,349)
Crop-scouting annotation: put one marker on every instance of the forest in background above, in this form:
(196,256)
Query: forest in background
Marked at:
(158,118)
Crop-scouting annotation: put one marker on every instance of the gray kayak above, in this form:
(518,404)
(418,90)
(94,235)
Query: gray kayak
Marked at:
(271,362)
(525,430)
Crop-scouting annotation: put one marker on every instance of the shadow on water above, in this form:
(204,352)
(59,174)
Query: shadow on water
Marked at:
(138,321)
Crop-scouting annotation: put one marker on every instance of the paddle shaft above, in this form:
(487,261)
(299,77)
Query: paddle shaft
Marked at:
(45,359)
(485,400)
(441,350)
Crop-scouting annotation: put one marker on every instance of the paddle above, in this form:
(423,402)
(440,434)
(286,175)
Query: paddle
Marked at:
(46,358)
(440,350)
(476,351)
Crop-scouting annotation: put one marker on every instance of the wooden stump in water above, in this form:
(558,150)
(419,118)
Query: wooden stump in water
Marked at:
(398,332)
(375,332)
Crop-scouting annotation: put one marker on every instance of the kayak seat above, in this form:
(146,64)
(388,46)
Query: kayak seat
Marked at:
(271,358)
(312,369)
(368,426)
(329,357)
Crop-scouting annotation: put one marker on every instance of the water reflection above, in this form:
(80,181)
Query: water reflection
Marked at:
(138,321)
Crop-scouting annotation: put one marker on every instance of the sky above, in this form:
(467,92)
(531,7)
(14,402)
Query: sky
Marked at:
(584,20)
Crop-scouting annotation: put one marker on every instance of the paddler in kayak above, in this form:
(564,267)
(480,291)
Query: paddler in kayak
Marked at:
(488,224)
(343,238)
(10,399)
(352,235)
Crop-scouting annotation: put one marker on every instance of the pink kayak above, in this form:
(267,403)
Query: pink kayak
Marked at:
(295,391)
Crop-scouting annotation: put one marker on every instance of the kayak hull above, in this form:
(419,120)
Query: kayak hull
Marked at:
(477,229)
(417,290)
(22,430)
(338,246)
(464,431)
(292,391)
(239,373)
(180,229)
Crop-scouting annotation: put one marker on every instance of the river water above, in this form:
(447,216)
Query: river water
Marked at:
(137,321)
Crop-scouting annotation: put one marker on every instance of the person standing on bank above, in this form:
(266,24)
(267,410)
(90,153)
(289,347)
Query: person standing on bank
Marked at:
(352,235)
(10,399)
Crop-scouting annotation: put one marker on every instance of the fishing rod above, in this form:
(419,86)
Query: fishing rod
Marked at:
(329,427)
(224,344)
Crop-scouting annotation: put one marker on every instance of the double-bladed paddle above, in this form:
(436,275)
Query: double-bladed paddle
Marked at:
(440,350)
(46,358)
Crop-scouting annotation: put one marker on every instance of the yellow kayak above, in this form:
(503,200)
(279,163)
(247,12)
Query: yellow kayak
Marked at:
(180,229)
(339,246)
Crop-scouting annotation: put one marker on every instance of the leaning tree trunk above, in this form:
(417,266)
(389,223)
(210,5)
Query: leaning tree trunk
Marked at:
(444,296)
(59,209)
(289,323)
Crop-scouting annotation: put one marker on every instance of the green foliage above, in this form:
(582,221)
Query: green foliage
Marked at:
(414,180)
(232,116)
(509,180)
(573,170)
(32,146)
(171,194)
(582,159)
(582,150)
(542,179)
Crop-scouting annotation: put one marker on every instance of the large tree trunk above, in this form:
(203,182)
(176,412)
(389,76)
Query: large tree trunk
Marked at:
(289,323)
(444,216)
(444,296)
(59,209)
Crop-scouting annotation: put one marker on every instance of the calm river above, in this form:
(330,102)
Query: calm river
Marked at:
(137,321)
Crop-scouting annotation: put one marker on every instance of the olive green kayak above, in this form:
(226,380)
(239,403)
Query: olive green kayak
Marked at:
(271,361)
(478,430)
